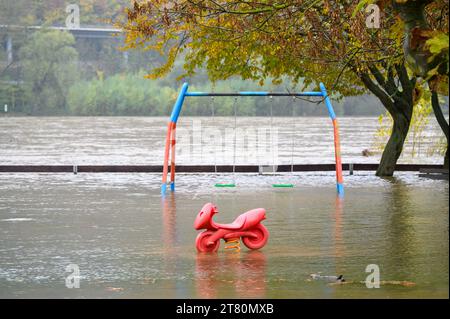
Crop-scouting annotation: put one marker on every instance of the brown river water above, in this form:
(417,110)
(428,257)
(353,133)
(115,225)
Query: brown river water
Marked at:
(129,242)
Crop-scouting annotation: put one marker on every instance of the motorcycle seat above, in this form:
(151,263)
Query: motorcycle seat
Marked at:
(237,224)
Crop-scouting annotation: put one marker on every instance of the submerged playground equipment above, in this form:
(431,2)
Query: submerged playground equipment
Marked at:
(246,226)
(169,153)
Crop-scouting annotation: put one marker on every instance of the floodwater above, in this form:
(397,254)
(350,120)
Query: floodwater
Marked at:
(128,242)
(200,140)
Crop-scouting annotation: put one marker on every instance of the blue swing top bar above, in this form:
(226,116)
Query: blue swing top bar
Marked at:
(250,93)
(184,92)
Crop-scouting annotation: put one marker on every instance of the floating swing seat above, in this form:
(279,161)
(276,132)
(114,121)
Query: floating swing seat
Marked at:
(283,185)
(225,185)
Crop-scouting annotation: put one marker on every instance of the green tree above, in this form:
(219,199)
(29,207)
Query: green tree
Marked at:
(49,66)
(13,16)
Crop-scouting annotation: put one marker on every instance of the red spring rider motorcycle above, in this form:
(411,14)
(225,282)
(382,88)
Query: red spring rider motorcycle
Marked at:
(246,226)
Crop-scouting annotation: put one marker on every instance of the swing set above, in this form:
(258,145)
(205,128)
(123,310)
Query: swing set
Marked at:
(169,153)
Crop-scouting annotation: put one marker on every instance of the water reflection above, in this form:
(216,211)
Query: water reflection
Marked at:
(207,267)
(241,274)
(400,226)
(169,216)
(168,205)
(338,243)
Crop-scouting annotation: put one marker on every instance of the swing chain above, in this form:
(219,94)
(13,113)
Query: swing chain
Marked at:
(271,134)
(235,140)
(212,120)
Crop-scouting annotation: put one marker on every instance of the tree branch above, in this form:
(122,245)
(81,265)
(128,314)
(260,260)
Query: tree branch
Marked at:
(379,93)
(386,83)
(402,73)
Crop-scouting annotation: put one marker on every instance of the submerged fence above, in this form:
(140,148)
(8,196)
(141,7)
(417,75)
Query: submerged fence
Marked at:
(203,168)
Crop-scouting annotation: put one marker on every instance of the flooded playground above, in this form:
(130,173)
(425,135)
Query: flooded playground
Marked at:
(129,242)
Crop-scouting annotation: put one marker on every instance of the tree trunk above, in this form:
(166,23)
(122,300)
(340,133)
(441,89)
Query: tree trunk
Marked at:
(394,146)
(446,158)
(441,120)
(399,103)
